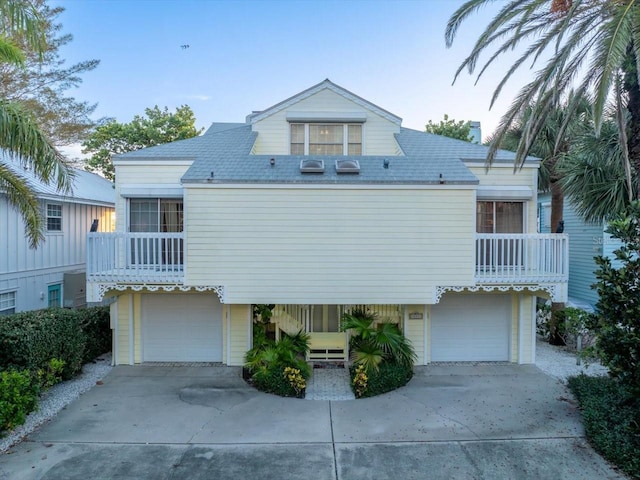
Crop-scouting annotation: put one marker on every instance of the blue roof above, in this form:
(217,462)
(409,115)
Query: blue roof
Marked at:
(87,187)
(223,155)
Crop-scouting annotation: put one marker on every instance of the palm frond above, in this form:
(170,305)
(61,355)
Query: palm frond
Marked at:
(20,196)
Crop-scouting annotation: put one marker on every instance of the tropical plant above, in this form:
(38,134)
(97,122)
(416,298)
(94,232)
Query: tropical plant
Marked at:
(20,136)
(593,174)
(372,344)
(590,46)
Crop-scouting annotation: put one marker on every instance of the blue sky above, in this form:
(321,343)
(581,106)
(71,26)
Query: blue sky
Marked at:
(249,55)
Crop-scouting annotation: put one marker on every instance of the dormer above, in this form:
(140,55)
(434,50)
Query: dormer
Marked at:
(325,120)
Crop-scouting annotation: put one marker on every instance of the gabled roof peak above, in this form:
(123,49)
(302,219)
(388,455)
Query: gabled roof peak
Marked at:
(326,84)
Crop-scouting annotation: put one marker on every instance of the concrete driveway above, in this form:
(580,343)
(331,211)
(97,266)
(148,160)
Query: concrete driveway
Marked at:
(450,422)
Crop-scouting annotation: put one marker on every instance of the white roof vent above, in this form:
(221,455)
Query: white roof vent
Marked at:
(348,166)
(312,166)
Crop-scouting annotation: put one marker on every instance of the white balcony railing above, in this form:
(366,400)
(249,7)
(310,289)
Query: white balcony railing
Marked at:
(135,257)
(522,258)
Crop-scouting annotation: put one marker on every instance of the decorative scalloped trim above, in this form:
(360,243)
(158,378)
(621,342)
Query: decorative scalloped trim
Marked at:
(103,288)
(550,289)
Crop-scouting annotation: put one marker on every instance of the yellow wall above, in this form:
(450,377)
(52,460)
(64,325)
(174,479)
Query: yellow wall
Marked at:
(158,173)
(239,333)
(329,246)
(414,331)
(503,175)
(273,131)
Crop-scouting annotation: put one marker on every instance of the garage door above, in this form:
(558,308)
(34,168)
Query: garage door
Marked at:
(468,328)
(181,328)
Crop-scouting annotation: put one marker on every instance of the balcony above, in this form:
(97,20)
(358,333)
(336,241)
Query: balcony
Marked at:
(159,258)
(135,257)
(522,258)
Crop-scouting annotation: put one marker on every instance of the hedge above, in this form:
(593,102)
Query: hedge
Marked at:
(29,340)
(388,377)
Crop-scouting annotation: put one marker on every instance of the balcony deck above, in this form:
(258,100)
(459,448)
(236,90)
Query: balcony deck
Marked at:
(159,258)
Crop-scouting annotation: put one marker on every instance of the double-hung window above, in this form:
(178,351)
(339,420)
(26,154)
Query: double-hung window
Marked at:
(325,139)
(54,217)
(7,303)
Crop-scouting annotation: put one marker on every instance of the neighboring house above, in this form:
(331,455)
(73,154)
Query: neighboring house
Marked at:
(53,273)
(588,240)
(317,204)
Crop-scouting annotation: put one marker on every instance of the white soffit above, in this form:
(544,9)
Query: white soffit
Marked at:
(515,192)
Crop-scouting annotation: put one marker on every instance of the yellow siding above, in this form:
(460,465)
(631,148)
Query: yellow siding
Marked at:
(139,175)
(322,246)
(239,333)
(137,327)
(123,329)
(415,332)
(515,321)
(527,328)
(273,131)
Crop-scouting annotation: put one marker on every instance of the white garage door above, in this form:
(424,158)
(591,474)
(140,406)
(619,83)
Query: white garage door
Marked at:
(468,328)
(181,328)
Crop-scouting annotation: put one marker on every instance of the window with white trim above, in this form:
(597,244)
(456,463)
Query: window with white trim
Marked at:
(326,139)
(7,303)
(156,215)
(499,217)
(54,217)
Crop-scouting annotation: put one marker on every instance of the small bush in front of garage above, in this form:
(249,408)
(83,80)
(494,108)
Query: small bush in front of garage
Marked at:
(278,367)
(382,357)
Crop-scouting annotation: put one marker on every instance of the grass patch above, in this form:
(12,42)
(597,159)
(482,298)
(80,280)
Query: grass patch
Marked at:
(611,417)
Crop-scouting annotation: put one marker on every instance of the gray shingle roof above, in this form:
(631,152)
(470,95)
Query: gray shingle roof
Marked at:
(87,187)
(225,150)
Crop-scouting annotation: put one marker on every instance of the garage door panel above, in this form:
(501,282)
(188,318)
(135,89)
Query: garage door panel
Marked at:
(182,328)
(471,328)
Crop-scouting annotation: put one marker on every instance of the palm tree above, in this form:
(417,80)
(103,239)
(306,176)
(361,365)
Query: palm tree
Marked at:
(588,44)
(20,137)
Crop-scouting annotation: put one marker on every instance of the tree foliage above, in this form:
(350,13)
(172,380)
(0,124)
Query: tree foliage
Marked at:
(450,128)
(589,46)
(156,127)
(42,82)
(618,307)
(20,136)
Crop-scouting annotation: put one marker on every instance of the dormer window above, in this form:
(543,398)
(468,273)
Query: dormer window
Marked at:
(326,139)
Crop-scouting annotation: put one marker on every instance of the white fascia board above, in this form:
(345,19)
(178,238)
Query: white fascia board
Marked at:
(81,201)
(475,162)
(149,190)
(331,117)
(515,192)
(151,161)
(325,186)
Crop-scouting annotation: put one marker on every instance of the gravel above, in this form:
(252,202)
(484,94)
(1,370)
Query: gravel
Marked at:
(58,397)
(552,360)
(561,363)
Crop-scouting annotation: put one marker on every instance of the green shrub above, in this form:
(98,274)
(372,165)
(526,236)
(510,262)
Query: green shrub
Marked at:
(269,364)
(95,323)
(18,397)
(29,340)
(52,374)
(618,308)
(389,376)
(610,414)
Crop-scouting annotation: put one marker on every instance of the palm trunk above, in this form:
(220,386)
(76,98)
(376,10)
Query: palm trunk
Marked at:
(557,211)
(633,126)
